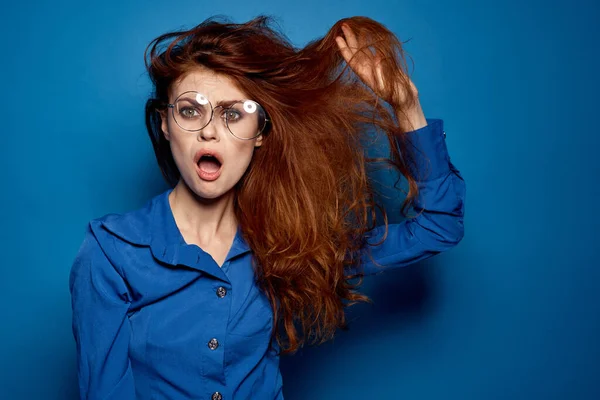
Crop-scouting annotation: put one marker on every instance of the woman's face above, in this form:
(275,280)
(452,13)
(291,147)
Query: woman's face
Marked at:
(205,177)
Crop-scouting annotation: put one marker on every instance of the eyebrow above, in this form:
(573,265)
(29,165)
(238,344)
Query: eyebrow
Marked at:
(226,103)
(223,103)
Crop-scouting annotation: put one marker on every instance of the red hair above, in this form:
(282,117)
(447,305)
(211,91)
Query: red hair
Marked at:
(305,203)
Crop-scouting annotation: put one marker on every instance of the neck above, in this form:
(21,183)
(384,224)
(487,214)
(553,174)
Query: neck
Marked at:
(202,221)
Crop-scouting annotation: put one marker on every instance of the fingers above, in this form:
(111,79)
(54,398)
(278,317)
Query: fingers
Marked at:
(350,37)
(361,60)
(347,53)
(366,62)
(349,46)
(380,77)
(355,61)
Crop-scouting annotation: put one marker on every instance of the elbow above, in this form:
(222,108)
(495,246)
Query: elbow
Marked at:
(439,237)
(456,234)
(441,226)
(451,227)
(448,238)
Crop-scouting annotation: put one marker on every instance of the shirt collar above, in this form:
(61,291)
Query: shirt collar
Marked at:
(154,225)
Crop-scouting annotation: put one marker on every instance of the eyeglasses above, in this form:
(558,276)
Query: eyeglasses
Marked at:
(245,119)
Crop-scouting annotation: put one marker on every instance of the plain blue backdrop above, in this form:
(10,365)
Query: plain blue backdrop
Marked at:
(513,312)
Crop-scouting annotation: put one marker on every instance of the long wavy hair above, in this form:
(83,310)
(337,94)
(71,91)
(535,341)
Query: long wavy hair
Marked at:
(305,203)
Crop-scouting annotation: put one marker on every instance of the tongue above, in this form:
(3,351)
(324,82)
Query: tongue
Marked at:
(209,165)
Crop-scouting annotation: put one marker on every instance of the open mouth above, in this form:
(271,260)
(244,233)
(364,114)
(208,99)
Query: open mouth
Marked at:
(209,164)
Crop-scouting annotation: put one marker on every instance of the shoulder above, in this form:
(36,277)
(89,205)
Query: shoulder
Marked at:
(133,227)
(109,237)
(93,272)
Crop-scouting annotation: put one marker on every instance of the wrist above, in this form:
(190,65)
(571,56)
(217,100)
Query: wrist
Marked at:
(411,119)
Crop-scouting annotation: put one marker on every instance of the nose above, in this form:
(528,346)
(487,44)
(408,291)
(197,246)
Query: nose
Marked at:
(210,131)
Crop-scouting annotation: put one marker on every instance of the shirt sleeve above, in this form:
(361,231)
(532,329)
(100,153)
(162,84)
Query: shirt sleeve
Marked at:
(100,325)
(439,207)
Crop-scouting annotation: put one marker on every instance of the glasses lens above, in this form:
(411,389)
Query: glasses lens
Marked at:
(192,111)
(245,119)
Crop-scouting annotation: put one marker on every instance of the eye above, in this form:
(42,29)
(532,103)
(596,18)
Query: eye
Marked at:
(189,112)
(232,115)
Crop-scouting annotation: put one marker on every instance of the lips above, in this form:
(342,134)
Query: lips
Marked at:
(208,164)
(209,153)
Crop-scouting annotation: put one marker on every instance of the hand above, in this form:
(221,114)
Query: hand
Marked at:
(368,67)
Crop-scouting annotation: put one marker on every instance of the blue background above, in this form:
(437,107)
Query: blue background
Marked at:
(513,312)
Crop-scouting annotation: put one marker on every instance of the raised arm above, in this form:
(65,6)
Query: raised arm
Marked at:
(100,325)
(440,202)
(440,205)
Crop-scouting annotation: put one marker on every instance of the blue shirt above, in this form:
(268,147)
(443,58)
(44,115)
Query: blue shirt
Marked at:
(156,318)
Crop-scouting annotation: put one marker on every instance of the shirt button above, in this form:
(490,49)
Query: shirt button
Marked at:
(221,291)
(216,396)
(213,344)
(444,134)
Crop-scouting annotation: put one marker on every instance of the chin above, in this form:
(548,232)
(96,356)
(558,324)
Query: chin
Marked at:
(209,195)
(208,190)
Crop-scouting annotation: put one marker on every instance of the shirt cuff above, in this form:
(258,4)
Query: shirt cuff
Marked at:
(428,155)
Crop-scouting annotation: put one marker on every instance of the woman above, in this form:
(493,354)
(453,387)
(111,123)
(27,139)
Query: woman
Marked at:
(270,217)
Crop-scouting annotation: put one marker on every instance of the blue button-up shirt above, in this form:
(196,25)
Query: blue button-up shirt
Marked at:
(156,318)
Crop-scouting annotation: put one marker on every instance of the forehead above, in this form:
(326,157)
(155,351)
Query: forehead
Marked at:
(215,86)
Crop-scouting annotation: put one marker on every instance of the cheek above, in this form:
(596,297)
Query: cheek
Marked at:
(241,155)
(181,150)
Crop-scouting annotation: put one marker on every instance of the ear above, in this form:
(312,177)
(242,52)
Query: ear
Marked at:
(258,140)
(164,124)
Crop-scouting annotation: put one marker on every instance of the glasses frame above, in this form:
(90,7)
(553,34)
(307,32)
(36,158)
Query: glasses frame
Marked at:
(212,114)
